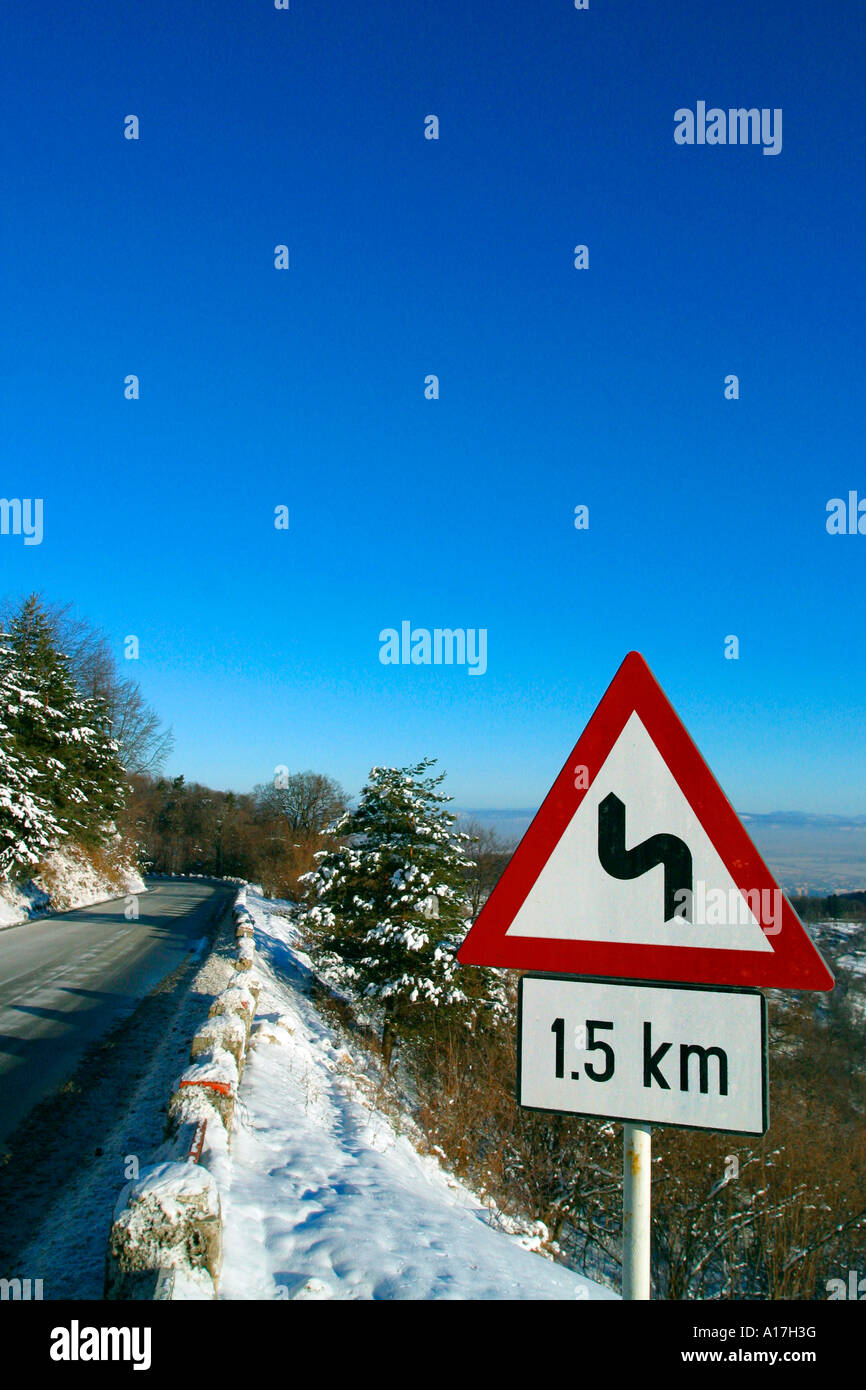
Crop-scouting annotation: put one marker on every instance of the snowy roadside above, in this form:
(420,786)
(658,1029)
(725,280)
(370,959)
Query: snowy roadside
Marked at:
(66,879)
(323,1197)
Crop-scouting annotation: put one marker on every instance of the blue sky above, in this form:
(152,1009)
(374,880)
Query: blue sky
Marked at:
(558,387)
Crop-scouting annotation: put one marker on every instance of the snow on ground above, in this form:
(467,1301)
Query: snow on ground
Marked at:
(324,1198)
(19,902)
(839,929)
(66,879)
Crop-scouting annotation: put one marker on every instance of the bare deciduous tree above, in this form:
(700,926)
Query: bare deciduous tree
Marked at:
(138,730)
(307,801)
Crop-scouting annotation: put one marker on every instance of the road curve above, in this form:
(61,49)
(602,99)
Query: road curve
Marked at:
(68,978)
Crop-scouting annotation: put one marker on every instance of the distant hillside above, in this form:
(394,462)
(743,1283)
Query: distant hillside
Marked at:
(804,818)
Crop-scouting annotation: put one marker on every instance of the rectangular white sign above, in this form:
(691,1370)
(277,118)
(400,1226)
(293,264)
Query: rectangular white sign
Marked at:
(658,1054)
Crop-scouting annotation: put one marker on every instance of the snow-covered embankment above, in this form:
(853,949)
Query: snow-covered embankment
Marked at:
(328,1197)
(68,878)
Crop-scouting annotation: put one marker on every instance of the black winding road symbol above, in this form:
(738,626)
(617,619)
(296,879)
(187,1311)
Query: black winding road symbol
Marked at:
(668,850)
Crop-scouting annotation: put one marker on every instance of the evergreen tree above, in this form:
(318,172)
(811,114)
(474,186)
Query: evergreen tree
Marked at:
(390,906)
(67,738)
(28,828)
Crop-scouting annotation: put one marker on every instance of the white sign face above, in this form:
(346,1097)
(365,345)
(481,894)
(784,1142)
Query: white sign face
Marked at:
(576,898)
(655,1054)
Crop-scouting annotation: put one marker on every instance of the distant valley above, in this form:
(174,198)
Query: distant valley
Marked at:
(808,853)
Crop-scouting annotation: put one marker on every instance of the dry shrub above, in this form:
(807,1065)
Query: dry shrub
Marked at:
(554,1168)
(287,860)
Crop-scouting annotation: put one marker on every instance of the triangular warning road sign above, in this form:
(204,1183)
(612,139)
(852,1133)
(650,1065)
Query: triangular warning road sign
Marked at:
(637,866)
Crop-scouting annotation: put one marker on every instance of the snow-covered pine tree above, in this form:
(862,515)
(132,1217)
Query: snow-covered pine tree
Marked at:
(390,906)
(66,738)
(28,827)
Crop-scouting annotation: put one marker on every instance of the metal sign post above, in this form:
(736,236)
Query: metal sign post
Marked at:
(636,1198)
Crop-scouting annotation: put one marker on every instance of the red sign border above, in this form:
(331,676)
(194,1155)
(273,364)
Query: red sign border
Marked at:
(794,963)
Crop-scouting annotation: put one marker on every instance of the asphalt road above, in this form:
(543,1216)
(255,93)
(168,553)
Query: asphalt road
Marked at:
(67,979)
